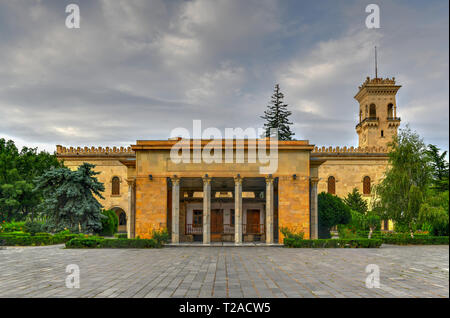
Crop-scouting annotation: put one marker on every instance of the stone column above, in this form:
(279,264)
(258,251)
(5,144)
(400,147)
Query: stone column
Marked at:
(206,210)
(314,215)
(175,209)
(131,226)
(237,210)
(269,210)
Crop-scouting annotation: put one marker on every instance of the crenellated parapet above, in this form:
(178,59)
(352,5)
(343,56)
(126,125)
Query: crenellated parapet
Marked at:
(349,150)
(378,81)
(88,151)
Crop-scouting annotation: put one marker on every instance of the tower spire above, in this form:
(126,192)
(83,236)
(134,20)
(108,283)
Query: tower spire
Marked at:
(376,63)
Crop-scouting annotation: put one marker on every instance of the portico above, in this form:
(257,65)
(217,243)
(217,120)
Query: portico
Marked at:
(221,202)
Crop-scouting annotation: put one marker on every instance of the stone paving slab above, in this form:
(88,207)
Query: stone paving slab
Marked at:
(225,271)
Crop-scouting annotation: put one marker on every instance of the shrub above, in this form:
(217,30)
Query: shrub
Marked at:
(160,236)
(34,227)
(25,239)
(289,234)
(417,240)
(112,243)
(12,227)
(121,235)
(110,221)
(346,232)
(331,243)
(332,211)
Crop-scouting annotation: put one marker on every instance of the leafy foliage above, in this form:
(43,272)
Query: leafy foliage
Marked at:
(18,170)
(401,192)
(277,116)
(355,202)
(109,223)
(69,200)
(440,168)
(332,211)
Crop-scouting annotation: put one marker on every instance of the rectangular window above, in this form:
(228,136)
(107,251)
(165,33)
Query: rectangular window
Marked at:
(197,218)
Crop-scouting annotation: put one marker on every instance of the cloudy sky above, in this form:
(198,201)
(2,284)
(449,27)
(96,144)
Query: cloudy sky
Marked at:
(138,69)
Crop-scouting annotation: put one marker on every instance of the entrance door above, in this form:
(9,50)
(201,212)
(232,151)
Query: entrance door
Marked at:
(253,218)
(216,225)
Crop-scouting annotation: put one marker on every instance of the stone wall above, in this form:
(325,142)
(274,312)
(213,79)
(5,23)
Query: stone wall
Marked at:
(293,205)
(151,205)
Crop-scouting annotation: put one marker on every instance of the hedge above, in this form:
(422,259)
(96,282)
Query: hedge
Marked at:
(333,243)
(25,239)
(417,240)
(112,243)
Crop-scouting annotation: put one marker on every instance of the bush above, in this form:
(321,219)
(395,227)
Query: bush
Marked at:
(34,227)
(12,227)
(110,221)
(25,239)
(417,240)
(332,211)
(294,235)
(121,235)
(160,236)
(112,243)
(331,243)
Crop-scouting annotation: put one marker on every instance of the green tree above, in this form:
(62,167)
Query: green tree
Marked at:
(373,221)
(69,198)
(401,192)
(277,116)
(18,170)
(332,211)
(440,168)
(355,201)
(434,212)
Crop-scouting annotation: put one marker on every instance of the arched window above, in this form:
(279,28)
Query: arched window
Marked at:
(390,111)
(115,188)
(366,185)
(122,218)
(373,111)
(331,185)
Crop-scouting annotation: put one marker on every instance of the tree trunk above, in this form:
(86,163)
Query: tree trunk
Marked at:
(412,232)
(370,232)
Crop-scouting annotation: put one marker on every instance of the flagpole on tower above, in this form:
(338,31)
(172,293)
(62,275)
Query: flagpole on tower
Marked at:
(376,63)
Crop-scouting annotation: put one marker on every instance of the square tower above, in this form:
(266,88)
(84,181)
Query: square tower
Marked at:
(378,121)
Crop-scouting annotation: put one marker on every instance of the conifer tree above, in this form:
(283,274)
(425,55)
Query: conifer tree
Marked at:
(277,116)
(69,198)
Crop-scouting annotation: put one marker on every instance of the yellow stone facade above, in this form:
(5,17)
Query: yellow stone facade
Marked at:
(148,178)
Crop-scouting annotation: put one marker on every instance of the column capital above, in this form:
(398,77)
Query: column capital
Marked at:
(131,181)
(269,179)
(314,180)
(175,180)
(206,179)
(238,179)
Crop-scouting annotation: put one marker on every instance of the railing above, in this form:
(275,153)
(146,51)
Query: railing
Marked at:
(253,228)
(228,229)
(368,119)
(194,229)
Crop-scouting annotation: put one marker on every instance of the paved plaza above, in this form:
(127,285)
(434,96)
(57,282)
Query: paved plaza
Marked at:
(405,271)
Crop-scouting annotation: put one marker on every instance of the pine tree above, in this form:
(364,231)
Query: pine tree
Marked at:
(277,116)
(355,201)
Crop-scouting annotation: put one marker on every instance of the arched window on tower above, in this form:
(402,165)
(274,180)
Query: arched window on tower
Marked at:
(366,185)
(331,185)
(115,187)
(372,111)
(390,111)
